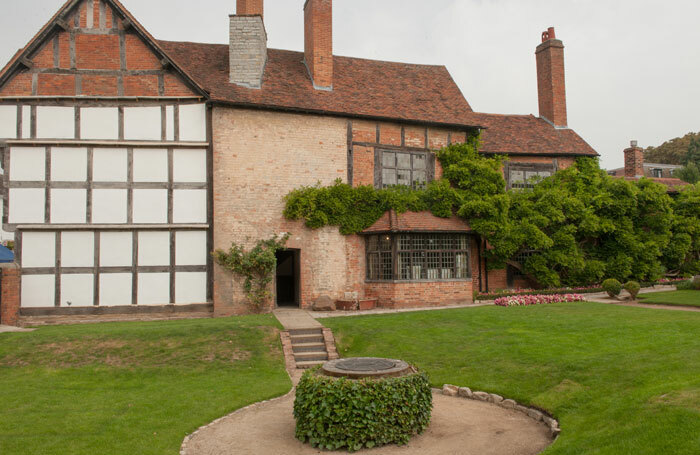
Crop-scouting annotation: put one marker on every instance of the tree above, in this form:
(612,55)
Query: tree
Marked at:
(671,152)
(689,173)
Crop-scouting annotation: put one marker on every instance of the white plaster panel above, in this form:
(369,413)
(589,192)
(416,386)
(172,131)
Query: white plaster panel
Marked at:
(190,287)
(38,291)
(77,249)
(99,123)
(153,289)
(38,249)
(115,289)
(189,206)
(28,164)
(109,165)
(142,123)
(191,248)
(116,249)
(154,248)
(8,122)
(150,165)
(68,206)
(68,164)
(193,122)
(190,166)
(55,122)
(77,290)
(109,206)
(26,121)
(150,206)
(170,123)
(27,205)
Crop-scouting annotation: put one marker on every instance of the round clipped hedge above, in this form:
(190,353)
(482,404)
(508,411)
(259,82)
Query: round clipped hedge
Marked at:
(336,413)
(612,287)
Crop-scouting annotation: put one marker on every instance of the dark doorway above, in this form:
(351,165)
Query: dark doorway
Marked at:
(287,278)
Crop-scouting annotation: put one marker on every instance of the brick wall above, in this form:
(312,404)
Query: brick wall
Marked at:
(551,80)
(94,43)
(10,299)
(409,295)
(318,41)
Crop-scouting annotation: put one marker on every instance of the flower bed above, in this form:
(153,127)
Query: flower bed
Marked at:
(526,300)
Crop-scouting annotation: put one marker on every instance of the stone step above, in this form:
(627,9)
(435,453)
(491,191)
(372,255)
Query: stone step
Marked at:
(303,365)
(301,339)
(311,331)
(309,347)
(305,356)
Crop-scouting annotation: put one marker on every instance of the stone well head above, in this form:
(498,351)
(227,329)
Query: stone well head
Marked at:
(366,367)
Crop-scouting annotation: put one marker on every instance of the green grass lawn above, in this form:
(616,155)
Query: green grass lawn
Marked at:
(685,298)
(621,380)
(132,388)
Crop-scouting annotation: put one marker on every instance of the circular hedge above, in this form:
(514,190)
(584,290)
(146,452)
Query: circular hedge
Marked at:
(335,413)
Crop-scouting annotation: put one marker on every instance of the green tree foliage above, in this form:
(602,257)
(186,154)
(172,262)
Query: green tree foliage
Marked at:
(671,152)
(583,225)
(689,173)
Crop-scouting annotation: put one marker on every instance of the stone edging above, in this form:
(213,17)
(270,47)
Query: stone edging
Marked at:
(329,341)
(288,352)
(535,414)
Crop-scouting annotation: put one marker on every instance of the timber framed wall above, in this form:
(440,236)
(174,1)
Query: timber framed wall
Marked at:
(107,160)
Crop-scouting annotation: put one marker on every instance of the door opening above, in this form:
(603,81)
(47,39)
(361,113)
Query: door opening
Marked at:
(287,278)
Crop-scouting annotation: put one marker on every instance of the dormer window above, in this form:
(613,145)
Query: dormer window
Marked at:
(657,173)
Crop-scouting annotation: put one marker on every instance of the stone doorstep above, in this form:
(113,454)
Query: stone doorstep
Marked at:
(536,414)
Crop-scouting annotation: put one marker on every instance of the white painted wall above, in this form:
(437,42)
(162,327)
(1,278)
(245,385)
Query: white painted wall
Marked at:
(68,164)
(150,165)
(77,290)
(193,120)
(99,123)
(190,206)
(8,122)
(142,123)
(154,248)
(109,165)
(54,122)
(191,248)
(190,166)
(77,249)
(27,164)
(150,206)
(153,289)
(190,288)
(109,206)
(27,205)
(68,206)
(39,249)
(26,121)
(115,289)
(116,249)
(169,123)
(38,291)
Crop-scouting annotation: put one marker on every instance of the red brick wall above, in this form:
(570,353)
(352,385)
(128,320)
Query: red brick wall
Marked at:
(249,7)
(97,50)
(10,300)
(634,162)
(423,294)
(318,41)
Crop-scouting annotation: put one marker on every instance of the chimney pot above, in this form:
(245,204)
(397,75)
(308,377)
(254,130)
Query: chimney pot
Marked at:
(633,143)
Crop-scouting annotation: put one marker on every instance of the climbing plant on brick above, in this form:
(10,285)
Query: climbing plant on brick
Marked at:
(256,266)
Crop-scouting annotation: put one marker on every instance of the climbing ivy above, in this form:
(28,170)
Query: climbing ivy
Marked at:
(256,266)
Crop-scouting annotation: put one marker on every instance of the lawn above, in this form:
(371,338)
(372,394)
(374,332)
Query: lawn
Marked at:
(621,380)
(685,298)
(132,388)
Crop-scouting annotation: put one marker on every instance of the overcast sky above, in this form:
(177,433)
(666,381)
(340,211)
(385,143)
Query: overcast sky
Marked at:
(632,66)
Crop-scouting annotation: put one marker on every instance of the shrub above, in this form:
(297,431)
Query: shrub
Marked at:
(690,285)
(612,287)
(633,288)
(336,413)
(526,300)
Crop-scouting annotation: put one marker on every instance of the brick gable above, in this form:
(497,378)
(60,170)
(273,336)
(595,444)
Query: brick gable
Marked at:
(94,48)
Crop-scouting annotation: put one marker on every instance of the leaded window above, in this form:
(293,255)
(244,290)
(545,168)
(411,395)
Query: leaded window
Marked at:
(414,257)
(413,169)
(526,176)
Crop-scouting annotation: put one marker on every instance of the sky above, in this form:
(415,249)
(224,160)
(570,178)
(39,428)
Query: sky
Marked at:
(632,66)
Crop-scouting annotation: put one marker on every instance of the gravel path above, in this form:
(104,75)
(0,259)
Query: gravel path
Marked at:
(459,426)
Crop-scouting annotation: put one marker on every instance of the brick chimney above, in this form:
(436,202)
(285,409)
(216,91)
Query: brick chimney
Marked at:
(318,42)
(551,86)
(634,161)
(248,44)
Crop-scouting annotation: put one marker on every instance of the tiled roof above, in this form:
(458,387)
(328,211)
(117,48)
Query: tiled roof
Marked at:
(416,222)
(365,88)
(527,134)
